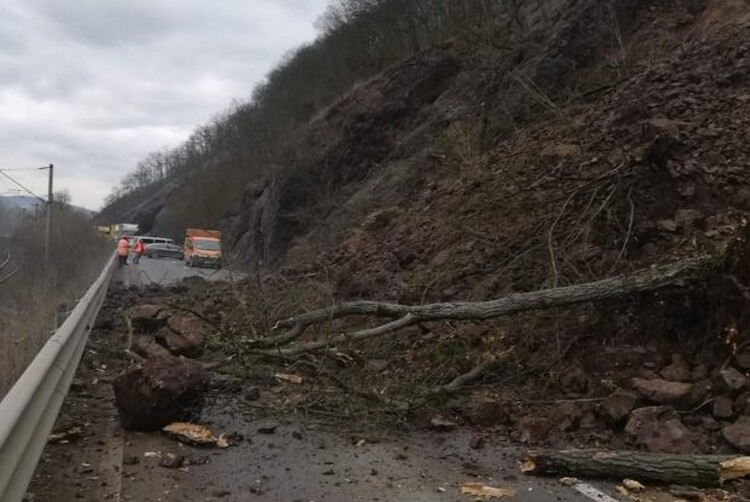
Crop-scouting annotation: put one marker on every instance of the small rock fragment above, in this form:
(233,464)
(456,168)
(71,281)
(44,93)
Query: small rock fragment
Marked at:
(722,407)
(172,461)
(738,435)
(269,428)
(477,442)
(733,379)
(617,405)
(662,391)
(676,372)
(252,394)
(130,460)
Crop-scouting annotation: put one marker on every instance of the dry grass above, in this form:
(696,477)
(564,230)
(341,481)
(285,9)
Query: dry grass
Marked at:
(29,302)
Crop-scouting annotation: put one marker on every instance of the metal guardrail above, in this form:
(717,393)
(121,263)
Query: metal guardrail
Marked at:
(29,410)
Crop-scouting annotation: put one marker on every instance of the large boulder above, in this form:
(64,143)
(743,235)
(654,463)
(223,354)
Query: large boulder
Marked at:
(146,346)
(146,318)
(183,335)
(659,430)
(160,391)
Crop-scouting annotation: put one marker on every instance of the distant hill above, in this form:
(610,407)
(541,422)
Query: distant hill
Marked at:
(14,207)
(20,202)
(27,203)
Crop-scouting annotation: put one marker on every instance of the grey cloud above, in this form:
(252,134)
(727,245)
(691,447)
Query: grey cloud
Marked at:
(94,85)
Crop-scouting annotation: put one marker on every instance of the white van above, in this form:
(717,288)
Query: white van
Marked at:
(147,239)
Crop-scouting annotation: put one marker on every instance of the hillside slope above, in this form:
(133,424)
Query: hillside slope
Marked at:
(444,178)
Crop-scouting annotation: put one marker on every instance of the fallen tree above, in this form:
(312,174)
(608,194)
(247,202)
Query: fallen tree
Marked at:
(694,470)
(679,274)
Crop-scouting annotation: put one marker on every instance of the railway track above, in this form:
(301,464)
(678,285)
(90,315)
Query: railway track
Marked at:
(8,269)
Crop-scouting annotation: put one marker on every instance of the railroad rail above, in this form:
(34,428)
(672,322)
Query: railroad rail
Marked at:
(4,264)
(29,410)
(6,260)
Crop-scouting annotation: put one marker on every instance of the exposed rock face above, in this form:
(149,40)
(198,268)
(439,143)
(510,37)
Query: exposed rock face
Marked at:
(158,392)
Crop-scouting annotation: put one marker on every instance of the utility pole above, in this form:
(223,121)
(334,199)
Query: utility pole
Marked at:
(48,231)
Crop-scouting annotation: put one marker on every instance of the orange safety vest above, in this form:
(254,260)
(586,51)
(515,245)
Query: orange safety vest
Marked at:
(123,247)
(138,247)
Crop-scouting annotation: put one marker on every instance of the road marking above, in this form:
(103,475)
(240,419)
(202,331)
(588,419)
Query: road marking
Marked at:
(110,468)
(593,493)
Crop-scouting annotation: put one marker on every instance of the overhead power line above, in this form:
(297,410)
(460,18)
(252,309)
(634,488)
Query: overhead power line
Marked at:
(17,183)
(19,168)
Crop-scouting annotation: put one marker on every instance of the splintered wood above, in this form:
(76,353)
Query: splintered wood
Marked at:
(484,492)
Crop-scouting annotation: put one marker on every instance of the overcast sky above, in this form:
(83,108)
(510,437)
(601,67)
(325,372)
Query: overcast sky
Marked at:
(94,85)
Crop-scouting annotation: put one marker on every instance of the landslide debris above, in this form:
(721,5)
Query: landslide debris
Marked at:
(646,168)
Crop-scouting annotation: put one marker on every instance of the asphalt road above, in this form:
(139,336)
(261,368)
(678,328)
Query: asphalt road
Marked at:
(167,271)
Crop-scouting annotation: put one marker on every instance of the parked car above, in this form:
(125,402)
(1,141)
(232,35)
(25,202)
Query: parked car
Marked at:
(148,240)
(163,250)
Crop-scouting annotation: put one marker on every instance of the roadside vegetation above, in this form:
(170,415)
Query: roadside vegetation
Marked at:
(31,299)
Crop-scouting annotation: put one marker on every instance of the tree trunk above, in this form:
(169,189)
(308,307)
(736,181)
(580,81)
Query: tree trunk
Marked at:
(676,274)
(694,470)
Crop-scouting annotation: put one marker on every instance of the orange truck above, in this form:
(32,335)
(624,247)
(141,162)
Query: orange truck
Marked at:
(203,248)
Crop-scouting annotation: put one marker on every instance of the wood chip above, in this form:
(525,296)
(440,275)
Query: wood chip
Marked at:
(288,377)
(633,485)
(486,492)
(194,434)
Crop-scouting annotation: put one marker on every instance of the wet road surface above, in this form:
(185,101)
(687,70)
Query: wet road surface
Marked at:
(168,271)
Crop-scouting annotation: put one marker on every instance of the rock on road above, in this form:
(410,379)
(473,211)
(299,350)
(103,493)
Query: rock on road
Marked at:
(166,272)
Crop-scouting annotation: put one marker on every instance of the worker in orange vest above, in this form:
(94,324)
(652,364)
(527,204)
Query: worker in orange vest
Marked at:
(122,251)
(138,249)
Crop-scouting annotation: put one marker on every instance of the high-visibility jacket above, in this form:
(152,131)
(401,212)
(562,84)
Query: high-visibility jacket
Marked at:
(123,247)
(138,247)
